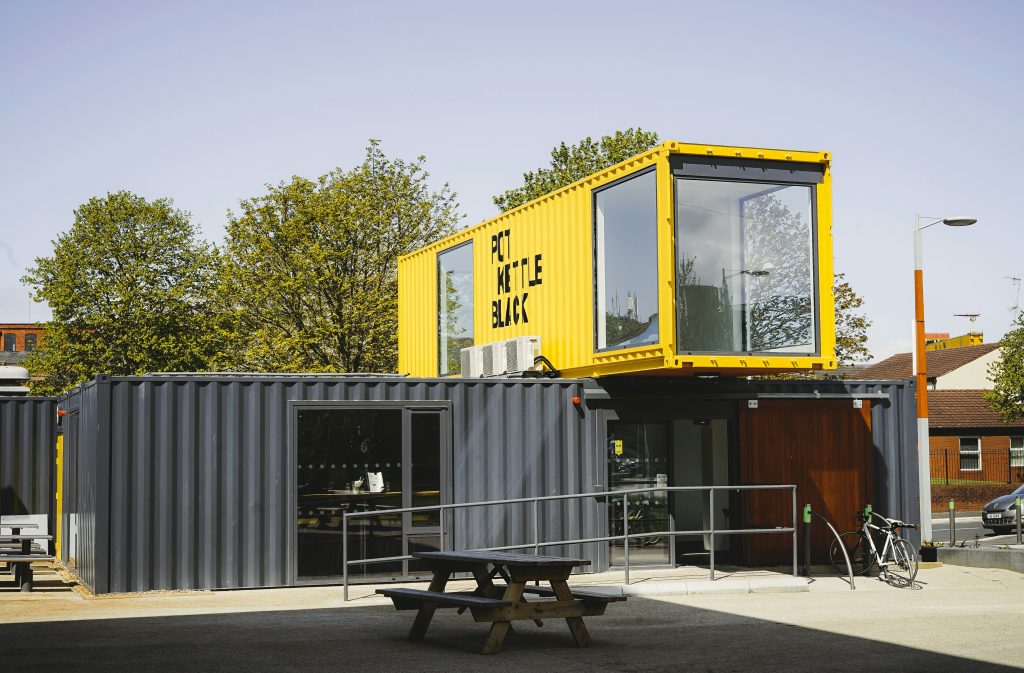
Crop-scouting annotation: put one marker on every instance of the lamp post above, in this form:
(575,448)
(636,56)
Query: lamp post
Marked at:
(921,371)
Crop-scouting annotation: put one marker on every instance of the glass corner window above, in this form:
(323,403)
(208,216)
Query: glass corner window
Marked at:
(745,274)
(454,307)
(626,263)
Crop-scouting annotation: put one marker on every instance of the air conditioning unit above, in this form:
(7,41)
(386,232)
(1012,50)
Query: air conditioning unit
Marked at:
(494,358)
(472,361)
(520,354)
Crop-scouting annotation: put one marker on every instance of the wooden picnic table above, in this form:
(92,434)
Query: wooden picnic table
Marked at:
(503,604)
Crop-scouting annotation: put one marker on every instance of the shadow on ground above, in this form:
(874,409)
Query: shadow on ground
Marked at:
(642,635)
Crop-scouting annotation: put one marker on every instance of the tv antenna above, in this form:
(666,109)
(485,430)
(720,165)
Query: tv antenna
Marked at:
(1015,281)
(973,317)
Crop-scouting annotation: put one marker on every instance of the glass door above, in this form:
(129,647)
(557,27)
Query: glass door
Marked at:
(366,459)
(638,455)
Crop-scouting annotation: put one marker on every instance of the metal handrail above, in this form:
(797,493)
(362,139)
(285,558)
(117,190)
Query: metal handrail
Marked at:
(625,537)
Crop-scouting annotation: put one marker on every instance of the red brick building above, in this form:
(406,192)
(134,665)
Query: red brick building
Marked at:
(21,337)
(974,456)
(985,448)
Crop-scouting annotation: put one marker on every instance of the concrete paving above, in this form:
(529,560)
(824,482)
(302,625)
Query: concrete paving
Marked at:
(954,620)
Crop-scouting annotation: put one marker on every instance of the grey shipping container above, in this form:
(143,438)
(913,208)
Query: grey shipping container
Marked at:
(189,481)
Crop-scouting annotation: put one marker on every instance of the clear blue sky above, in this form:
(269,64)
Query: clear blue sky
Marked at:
(919,102)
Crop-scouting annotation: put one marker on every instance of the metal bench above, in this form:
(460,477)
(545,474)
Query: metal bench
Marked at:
(23,556)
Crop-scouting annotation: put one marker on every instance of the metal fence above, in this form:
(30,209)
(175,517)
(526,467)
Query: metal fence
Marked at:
(986,466)
(538,543)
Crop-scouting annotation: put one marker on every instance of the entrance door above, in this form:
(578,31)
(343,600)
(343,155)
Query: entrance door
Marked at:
(638,457)
(700,455)
(361,458)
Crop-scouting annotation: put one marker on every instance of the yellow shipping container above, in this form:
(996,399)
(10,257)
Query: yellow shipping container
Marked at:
(733,243)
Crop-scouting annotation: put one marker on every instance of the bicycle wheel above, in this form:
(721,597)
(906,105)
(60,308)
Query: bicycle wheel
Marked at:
(858,549)
(901,560)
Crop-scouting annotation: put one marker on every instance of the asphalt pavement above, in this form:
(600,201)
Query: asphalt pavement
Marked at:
(969,529)
(948,622)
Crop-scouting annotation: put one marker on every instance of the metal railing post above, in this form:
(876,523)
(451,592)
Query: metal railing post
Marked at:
(794,538)
(344,553)
(440,543)
(711,508)
(625,534)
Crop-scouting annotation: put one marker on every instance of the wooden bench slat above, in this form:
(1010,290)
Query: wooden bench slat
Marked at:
(23,559)
(26,536)
(420,596)
(581,593)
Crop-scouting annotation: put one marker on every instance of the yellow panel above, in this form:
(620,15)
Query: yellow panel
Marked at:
(550,238)
(59,498)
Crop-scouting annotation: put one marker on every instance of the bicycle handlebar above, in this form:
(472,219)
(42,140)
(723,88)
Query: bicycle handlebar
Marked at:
(889,523)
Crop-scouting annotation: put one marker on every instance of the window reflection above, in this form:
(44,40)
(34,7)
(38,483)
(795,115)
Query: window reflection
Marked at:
(348,461)
(638,458)
(454,307)
(745,267)
(626,263)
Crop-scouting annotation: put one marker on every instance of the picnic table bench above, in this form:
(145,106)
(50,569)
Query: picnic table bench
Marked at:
(24,552)
(501,604)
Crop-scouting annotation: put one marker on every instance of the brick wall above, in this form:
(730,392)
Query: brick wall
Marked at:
(19,331)
(996,463)
(967,497)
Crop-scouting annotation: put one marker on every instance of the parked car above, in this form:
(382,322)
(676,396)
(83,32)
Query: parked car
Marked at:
(1001,514)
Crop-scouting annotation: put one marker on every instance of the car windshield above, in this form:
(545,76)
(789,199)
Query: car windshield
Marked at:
(1019,491)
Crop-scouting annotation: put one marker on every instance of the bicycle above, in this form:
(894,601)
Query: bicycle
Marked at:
(642,519)
(897,560)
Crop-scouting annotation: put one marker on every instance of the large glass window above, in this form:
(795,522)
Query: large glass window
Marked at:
(30,342)
(454,307)
(745,267)
(10,343)
(626,263)
(366,460)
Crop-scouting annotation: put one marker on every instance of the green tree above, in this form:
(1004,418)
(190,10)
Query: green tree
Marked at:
(1007,375)
(130,287)
(851,324)
(309,278)
(570,163)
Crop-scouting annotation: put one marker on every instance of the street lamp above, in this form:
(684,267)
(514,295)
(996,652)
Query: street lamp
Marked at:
(921,373)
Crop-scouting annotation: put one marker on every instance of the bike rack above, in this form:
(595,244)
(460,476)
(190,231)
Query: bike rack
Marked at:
(839,539)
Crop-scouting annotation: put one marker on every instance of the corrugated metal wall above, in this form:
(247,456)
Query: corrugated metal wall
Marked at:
(201,490)
(28,436)
(189,482)
(85,489)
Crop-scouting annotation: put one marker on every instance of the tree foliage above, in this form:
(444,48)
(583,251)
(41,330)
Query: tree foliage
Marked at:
(309,278)
(570,163)
(851,324)
(1007,375)
(130,287)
